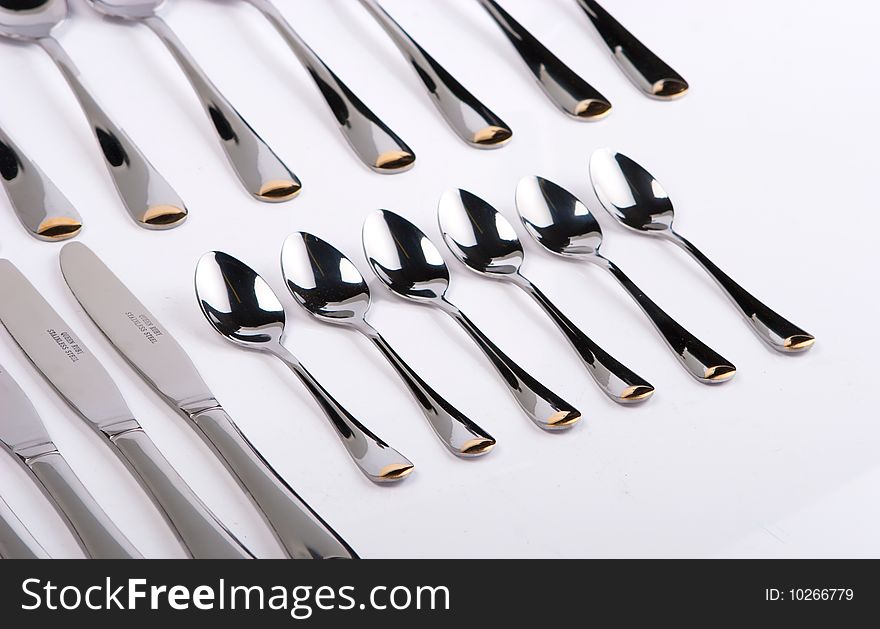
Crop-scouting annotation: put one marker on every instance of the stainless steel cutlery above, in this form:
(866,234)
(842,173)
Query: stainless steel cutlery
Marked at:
(471,120)
(409,264)
(645,69)
(242,308)
(377,146)
(149,199)
(637,200)
(562,85)
(259,169)
(329,286)
(481,238)
(16,542)
(22,433)
(57,352)
(162,362)
(564,226)
(40,206)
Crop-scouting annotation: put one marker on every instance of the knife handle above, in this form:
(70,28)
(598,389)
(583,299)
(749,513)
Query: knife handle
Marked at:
(300,530)
(100,537)
(204,536)
(16,542)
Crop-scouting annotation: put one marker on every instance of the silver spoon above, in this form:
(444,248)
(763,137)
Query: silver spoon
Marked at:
(330,287)
(410,265)
(649,73)
(40,206)
(149,199)
(564,226)
(244,309)
(561,84)
(471,120)
(480,237)
(374,143)
(638,201)
(258,168)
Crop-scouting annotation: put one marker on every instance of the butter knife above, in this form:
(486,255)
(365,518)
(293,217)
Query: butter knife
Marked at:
(86,386)
(16,542)
(164,364)
(23,434)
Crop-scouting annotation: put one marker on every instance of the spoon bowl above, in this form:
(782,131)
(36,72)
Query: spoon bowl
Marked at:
(630,193)
(324,281)
(404,258)
(237,302)
(479,235)
(557,219)
(127,9)
(29,20)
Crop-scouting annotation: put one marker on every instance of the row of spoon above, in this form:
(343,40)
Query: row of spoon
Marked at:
(153,203)
(242,307)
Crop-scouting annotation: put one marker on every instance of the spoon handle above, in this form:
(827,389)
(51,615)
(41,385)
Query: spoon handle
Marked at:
(563,86)
(148,198)
(260,170)
(16,542)
(546,409)
(649,73)
(773,329)
(458,433)
(471,120)
(40,206)
(376,459)
(375,144)
(615,379)
(204,536)
(701,361)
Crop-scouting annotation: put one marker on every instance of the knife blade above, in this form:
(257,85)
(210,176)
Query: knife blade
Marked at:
(164,364)
(23,434)
(78,377)
(16,542)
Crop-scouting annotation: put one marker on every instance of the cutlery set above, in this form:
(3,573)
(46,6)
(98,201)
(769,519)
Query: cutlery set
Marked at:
(152,202)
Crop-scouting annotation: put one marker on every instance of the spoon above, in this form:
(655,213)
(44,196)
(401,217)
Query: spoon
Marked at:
(147,197)
(410,265)
(564,226)
(378,147)
(329,287)
(261,172)
(480,237)
(561,84)
(242,307)
(40,206)
(649,73)
(638,201)
(471,120)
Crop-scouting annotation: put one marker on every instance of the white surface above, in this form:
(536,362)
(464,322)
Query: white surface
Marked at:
(769,162)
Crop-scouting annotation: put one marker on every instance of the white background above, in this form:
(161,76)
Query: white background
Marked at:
(770,161)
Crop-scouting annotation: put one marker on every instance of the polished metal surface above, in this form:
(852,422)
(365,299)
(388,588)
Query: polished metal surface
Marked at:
(561,84)
(638,201)
(244,309)
(481,238)
(377,146)
(39,205)
(260,170)
(649,73)
(16,542)
(22,433)
(147,197)
(564,225)
(163,363)
(471,120)
(57,352)
(408,263)
(330,287)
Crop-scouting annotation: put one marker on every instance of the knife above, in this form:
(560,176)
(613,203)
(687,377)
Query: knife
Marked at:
(16,542)
(23,434)
(164,364)
(87,387)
